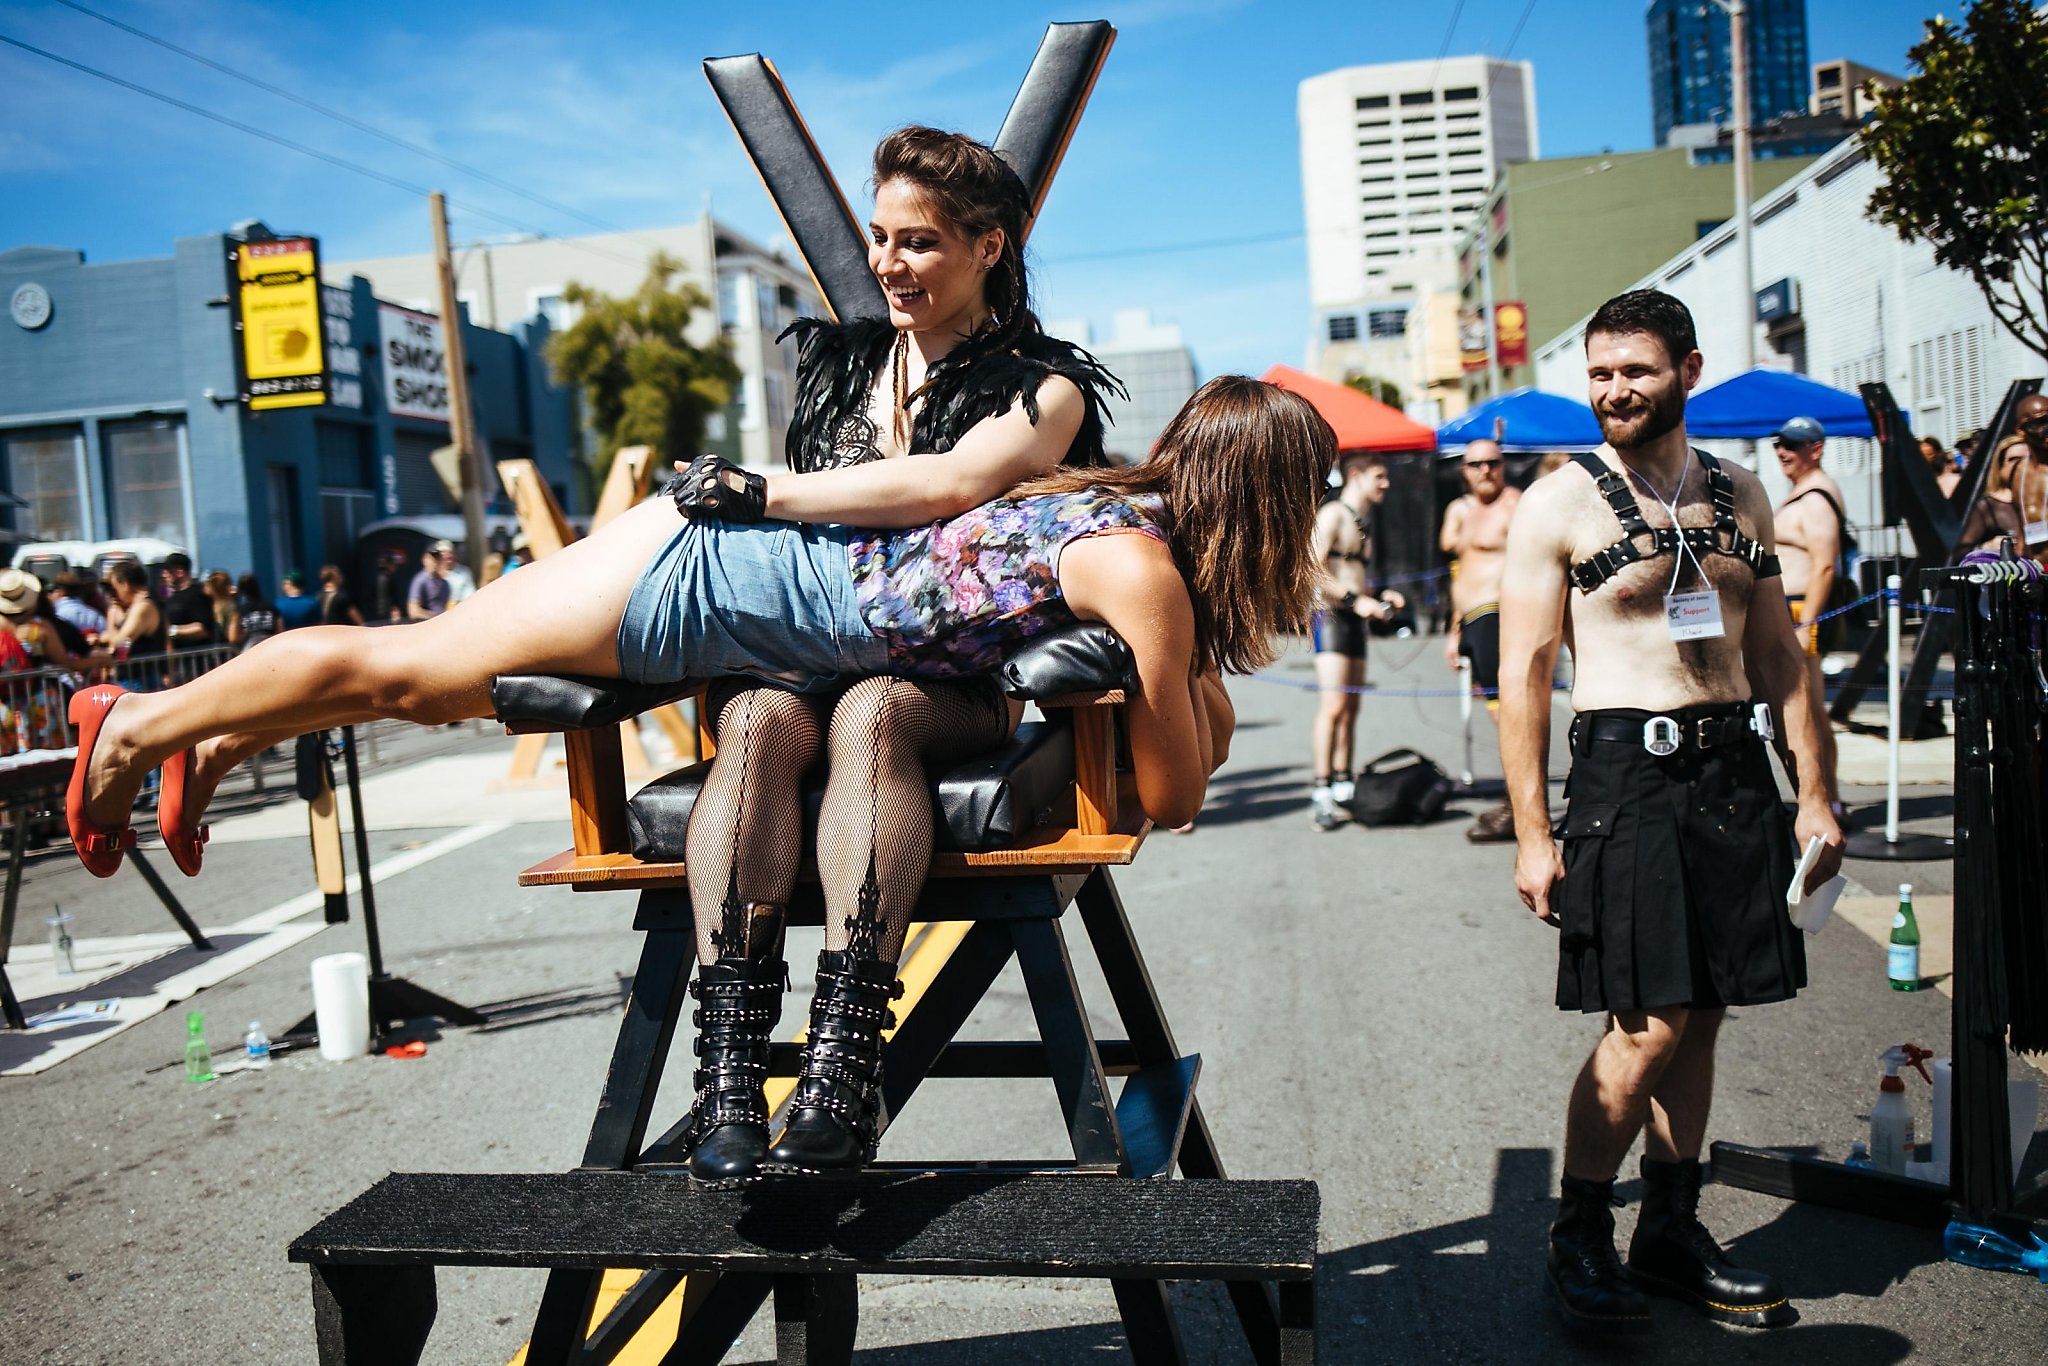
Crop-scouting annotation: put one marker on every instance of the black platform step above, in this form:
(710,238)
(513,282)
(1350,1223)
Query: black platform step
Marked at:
(939,1225)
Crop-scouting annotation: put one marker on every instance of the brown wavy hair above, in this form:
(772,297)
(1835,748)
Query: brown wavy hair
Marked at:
(975,191)
(1240,470)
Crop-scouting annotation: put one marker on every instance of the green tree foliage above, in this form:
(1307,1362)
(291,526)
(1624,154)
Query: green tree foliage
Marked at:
(1372,386)
(1963,146)
(643,382)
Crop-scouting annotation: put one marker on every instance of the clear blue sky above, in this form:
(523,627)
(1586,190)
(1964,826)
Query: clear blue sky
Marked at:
(1189,142)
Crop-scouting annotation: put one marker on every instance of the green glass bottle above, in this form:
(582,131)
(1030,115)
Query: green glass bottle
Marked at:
(1902,963)
(198,1057)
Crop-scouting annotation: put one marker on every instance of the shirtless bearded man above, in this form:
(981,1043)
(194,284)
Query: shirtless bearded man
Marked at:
(1475,534)
(1343,543)
(1809,524)
(1670,887)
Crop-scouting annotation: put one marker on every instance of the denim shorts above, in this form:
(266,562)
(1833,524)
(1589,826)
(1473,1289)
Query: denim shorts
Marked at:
(773,600)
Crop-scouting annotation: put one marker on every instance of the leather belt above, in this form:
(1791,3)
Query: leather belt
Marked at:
(1665,735)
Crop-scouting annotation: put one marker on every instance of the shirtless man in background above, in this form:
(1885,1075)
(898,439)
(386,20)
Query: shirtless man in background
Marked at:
(1475,536)
(1343,541)
(1809,526)
(1669,891)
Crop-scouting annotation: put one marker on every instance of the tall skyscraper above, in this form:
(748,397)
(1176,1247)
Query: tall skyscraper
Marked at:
(1690,77)
(1396,158)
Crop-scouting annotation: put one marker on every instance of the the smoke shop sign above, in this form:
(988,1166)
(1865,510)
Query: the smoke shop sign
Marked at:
(415,375)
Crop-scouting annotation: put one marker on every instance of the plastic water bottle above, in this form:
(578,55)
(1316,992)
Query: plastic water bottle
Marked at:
(256,1046)
(62,954)
(1859,1155)
(198,1057)
(1987,1248)
(1902,962)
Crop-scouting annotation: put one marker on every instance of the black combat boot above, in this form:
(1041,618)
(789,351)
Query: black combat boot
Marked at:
(1673,1254)
(835,1116)
(739,1002)
(1592,1291)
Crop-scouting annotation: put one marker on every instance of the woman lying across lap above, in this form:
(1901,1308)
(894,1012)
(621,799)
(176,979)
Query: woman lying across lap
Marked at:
(951,400)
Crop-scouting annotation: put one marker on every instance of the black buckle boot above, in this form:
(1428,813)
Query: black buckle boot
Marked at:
(1673,1254)
(1592,1290)
(835,1116)
(739,1002)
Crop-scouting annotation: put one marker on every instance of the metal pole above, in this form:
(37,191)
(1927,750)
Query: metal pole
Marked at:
(461,420)
(355,810)
(1892,584)
(1738,61)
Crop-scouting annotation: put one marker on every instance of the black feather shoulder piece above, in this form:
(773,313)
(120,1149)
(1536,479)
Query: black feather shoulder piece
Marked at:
(837,363)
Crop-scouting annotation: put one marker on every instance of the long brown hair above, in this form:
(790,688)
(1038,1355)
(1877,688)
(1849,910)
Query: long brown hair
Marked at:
(975,191)
(1239,469)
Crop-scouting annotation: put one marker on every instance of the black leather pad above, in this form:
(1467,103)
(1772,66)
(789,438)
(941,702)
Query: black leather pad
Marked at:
(1084,657)
(983,803)
(533,703)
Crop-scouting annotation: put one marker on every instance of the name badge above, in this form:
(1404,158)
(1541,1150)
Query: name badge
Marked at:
(1693,616)
(2036,534)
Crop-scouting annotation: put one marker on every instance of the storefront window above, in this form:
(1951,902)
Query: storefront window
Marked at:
(146,480)
(46,471)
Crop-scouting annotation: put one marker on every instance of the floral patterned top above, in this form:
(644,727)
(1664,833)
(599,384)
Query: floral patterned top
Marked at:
(956,596)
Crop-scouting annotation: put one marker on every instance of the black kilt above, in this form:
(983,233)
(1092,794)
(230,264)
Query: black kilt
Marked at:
(1675,872)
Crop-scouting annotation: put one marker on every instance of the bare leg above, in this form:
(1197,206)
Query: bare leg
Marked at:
(1680,1100)
(1333,673)
(557,615)
(1611,1098)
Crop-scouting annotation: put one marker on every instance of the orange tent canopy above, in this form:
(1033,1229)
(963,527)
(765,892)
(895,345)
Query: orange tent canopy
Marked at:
(1361,423)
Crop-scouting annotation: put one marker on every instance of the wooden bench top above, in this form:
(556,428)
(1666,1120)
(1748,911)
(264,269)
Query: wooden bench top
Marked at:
(935,1224)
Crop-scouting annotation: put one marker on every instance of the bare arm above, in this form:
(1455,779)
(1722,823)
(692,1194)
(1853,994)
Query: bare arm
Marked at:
(136,620)
(1532,606)
(1823,547)
(1454,527)
(994,456)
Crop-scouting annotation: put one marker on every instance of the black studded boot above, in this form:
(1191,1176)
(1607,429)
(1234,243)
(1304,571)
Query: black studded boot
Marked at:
(1673,1254)
(835,1117)
(1592,1290)
(739,1001)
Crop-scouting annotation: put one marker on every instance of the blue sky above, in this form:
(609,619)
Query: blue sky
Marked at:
(1181,192)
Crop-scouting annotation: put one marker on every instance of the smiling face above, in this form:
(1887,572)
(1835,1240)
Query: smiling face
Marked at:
(1796,461)
(934,278)
(1637,390)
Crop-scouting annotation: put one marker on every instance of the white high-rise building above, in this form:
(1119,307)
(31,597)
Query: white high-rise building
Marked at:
(1396,159)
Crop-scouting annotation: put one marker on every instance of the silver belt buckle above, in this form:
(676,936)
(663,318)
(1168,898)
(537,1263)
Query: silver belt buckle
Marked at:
(1661,735)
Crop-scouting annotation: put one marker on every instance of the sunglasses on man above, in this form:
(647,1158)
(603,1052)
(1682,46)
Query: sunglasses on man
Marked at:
(1493,464)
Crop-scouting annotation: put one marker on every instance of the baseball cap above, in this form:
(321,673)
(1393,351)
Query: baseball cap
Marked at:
(1802,431)
(443,547)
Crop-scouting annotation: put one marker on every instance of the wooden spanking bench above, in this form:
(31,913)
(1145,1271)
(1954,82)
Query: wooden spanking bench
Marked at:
(1023,833)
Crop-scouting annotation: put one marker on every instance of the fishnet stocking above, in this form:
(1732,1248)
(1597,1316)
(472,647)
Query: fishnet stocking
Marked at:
(875,832)
(746,832)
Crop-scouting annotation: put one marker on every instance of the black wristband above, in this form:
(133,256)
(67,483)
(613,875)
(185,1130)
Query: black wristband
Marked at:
(1349,601)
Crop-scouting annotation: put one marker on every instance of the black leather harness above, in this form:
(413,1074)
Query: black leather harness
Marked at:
(1724,537)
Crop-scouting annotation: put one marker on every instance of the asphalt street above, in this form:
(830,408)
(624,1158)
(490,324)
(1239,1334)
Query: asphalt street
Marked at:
(1373,1008)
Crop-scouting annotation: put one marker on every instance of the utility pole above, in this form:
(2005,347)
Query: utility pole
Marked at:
(490,292)
(461,420)
(1486,304)
(1738,73)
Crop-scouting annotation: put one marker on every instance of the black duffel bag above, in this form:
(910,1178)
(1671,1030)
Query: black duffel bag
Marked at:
(1400,787)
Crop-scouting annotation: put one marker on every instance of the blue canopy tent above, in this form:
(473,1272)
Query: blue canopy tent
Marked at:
(1756,404)
(1531,420)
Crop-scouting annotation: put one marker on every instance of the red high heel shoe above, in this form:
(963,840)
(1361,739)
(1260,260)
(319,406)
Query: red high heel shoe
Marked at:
(185,843)
(99,850)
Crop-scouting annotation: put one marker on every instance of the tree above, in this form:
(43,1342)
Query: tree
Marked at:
(1963,147)
(1372,386)
(643,382)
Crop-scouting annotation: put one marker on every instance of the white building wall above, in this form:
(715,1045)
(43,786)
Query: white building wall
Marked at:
(1874,308)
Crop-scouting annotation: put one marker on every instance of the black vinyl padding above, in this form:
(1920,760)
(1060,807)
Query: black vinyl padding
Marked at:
(985,802)
(1085,657)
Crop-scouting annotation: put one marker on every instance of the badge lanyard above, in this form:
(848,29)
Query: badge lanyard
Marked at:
(1689,616)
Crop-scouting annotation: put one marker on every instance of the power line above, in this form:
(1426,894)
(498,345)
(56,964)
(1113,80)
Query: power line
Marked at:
(1115,253)
(339,117)
(1445,47)
(1516,36)
(328,157)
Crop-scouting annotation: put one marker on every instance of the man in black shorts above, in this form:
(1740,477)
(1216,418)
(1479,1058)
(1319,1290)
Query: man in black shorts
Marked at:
(1475,537)
(1670,888)
(1343,539)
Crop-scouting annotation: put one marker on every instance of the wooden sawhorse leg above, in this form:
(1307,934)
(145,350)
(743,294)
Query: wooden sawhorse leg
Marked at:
(372,1315)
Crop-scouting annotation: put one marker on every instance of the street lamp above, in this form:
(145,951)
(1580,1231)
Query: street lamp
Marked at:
(1738,75)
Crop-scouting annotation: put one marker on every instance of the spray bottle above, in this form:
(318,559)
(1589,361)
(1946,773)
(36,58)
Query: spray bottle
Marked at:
(1891,1119)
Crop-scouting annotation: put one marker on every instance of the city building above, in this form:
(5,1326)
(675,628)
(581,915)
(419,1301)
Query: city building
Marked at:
(1156,367)
(119,415)
(1569,232)
(1841,299)
(1396,158)
(1690,75)
(1847,90)
(757,293)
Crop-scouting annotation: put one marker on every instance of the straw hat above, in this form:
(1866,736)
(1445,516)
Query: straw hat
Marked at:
(19,592)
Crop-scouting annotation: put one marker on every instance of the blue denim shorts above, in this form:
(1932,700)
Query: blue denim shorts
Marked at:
(773,600)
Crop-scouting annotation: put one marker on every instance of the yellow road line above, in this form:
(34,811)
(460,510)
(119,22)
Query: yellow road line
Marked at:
(929,946)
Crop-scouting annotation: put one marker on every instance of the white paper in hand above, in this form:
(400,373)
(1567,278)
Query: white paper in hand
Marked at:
(1811,911)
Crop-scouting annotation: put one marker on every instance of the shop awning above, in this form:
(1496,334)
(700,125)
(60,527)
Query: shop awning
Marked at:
(1361,423)
(1530,419)
(1759,402)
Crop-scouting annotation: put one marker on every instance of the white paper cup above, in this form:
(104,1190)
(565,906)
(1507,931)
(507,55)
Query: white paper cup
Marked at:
(341,1005)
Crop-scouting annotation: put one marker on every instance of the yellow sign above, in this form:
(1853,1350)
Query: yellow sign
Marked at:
(277,308)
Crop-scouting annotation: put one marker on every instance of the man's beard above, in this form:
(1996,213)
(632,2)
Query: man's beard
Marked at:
(1659,419)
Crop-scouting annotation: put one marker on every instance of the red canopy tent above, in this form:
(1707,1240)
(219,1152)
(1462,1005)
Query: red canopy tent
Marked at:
(1361,423)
